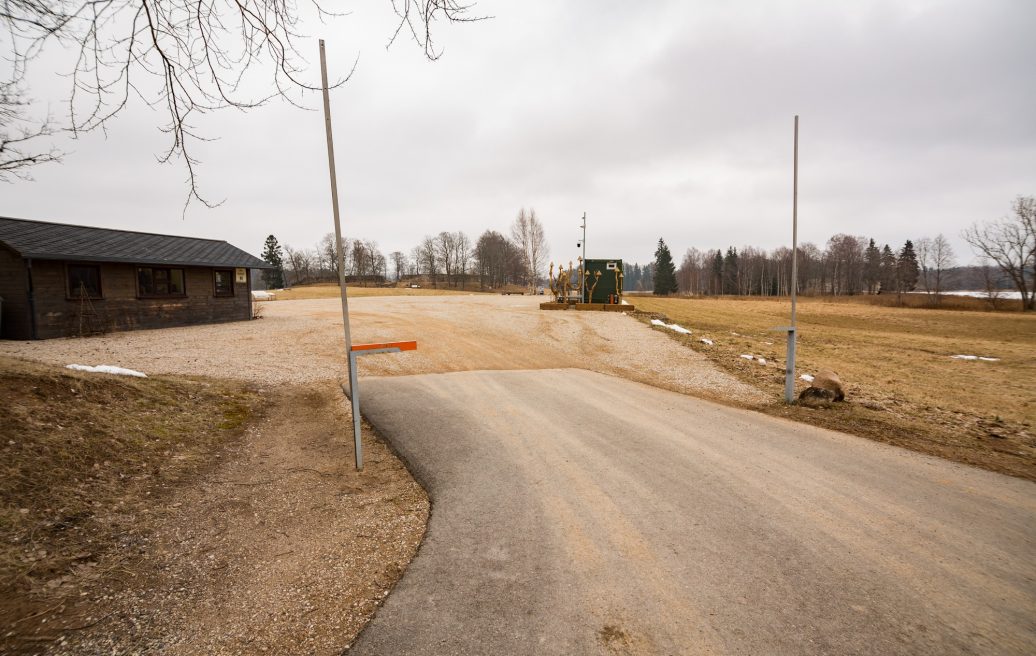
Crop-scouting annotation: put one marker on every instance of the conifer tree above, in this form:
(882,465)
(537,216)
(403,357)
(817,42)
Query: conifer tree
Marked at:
(717,273)
(665,272)
(907,267)
(272,254)
(872,267)
(730,271)
(889,273)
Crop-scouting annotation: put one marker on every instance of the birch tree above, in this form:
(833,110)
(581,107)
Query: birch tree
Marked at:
(528,235)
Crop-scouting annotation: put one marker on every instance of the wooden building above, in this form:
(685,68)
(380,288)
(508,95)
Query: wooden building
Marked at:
(61,280)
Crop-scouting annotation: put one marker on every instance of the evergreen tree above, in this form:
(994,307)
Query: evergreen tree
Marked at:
(907,267)
(889,274)
(717,273)
(665,272)
(272,254)
(730,271)
(872,267)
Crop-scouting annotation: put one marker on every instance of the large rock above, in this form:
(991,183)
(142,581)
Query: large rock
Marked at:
(826,385)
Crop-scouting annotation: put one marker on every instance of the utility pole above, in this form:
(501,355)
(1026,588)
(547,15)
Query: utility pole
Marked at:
(582,264)
(341,256)
(789,374)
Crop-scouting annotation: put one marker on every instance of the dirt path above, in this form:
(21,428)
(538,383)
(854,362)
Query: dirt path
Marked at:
(284,548)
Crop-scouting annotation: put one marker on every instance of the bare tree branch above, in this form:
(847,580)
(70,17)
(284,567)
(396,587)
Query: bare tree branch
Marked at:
(186,58)
(1010,243)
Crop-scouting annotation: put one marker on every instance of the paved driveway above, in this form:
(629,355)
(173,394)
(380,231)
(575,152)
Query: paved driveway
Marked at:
(577,513)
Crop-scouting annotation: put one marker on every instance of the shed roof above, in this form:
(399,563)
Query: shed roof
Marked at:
(61,241)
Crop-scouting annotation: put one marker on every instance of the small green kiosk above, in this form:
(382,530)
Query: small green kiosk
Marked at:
(603,281)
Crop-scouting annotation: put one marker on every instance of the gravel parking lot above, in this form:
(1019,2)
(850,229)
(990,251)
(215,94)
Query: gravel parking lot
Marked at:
(301,341)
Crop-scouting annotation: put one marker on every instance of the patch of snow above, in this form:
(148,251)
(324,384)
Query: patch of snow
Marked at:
(964,357)
(1001,293)
(706,340)
(259,295)
(733,333)
(761,360)
(106,369)
(748,356)
(807,378)
(678,329)
(656,322)
(988,359)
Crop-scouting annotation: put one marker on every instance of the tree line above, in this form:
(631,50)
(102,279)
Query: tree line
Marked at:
(850,264)
(448,259)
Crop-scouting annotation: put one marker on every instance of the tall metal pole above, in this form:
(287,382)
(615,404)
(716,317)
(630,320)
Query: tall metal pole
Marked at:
(789,378)
(353,391)
(582,264)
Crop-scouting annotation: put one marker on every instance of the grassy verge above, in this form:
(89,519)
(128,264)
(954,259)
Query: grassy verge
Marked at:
(903,386)
(330,290)
(82,458)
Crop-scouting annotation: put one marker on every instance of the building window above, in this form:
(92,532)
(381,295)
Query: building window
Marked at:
(223,282)
(160,281)
(84,281)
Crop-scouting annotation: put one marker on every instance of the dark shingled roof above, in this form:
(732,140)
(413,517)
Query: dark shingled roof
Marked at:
(60,241)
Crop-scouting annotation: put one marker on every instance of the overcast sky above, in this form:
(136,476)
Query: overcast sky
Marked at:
(658,119)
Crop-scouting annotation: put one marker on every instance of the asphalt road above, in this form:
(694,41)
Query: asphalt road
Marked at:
(577,513)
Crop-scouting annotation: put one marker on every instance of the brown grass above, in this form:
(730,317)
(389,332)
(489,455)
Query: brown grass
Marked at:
(902,385)
(82,452)
(330,290)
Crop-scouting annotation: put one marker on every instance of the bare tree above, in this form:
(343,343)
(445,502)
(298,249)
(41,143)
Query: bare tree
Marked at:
(461,256)
(942,258)
(375,260)
(398,264)
(527,234)
(498,261)
(1010,242)
(990,284)
(184,59)
(923,247)
(296,263)
(846,261)
(18,135)
(416,260)
(445,251)
(429,258)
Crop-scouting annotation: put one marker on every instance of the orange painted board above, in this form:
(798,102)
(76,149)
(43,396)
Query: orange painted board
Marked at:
(402,346)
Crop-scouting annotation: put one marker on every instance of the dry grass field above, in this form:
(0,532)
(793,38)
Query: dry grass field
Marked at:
(330,290)
(903,385)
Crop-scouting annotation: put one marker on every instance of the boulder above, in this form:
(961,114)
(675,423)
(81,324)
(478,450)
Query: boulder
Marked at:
(825,385)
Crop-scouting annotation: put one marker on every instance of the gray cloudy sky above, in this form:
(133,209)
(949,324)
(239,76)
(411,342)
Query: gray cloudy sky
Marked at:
(659,119)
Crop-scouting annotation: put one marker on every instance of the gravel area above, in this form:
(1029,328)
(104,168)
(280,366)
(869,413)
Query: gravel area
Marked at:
(284,548)
(301,341)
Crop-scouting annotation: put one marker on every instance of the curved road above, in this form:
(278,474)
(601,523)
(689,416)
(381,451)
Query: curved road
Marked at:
(577,513)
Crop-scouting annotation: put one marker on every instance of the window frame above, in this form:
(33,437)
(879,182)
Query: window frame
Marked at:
(140,292)
(230,276)
(69,296)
